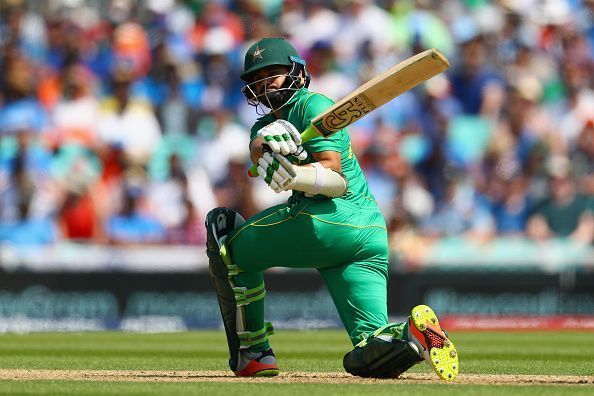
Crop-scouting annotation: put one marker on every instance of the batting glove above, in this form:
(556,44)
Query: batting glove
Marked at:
(283,138)
(276,170)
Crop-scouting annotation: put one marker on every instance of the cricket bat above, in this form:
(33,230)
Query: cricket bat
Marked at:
(373,94)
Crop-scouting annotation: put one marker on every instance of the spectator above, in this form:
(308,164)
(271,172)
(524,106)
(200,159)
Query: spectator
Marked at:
(220,139)
(176,114)
(131,48)
(309,22)
(578,106)
(78,216)
(76,171)
(24,165)
(132,225)
(190,231)
(234,191)
(509,204)
(474,83)
(566,213)
(379,162)
(74,117)
(19,225)
(582,162)
(326,77)
(364,27)
(169,194)
(28,231)
(128,122)
(462,214)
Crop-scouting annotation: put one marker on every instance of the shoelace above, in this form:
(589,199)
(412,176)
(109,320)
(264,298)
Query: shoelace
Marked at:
(265,354)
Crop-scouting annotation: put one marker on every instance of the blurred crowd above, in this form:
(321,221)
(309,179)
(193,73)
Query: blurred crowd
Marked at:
(122,121)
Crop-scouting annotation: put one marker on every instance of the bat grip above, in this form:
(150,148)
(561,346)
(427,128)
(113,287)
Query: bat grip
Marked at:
(310,133)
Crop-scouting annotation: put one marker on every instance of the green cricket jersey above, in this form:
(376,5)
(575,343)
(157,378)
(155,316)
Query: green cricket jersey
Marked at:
(300,110)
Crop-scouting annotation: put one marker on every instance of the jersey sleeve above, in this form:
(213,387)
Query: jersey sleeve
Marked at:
(254,131)
(259,124)
(314,106)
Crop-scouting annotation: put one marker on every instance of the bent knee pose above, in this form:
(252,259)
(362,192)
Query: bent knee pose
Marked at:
(331,223)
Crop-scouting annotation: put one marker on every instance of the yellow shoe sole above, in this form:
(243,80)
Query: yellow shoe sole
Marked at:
(267,373)
(442,355)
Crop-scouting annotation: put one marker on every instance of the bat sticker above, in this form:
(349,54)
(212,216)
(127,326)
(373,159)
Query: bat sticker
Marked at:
(346,114)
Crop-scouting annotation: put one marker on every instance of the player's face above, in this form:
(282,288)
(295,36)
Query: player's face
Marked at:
(269,79)
(271,87)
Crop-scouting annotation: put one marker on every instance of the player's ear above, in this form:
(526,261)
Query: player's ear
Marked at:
(301,79)
(304,78)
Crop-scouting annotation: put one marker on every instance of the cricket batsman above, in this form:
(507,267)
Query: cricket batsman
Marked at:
(331,223)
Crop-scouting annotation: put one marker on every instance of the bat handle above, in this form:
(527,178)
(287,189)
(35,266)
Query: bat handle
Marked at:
(310,133)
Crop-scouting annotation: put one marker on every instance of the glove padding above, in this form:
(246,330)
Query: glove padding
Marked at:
(277,172)
(283,138)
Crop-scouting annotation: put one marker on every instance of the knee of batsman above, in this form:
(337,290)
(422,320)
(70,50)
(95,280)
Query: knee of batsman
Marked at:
(220,223)
(220,264)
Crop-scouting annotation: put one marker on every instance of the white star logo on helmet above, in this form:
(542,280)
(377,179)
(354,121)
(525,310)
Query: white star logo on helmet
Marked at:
(258,53)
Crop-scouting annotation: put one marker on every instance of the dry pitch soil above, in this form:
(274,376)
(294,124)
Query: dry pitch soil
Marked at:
(291,377)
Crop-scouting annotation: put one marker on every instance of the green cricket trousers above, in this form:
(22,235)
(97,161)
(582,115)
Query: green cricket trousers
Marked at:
(346,242)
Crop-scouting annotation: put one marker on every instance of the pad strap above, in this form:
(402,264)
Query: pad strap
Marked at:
(244,296)
(379,331)
(250,338)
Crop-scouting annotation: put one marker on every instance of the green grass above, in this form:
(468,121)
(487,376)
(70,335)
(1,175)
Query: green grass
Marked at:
(547,353)
(227,389)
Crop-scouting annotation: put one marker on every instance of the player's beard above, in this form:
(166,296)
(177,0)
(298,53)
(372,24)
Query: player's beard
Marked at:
(277,98)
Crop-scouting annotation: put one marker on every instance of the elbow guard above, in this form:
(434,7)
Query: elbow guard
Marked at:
(317,179)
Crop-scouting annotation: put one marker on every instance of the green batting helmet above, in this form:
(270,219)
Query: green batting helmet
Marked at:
(268,52)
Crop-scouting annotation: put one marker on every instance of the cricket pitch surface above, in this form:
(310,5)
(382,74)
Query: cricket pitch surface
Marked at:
(287,377)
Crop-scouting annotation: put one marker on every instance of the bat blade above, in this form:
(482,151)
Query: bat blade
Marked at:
(381,89)
(376,92)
